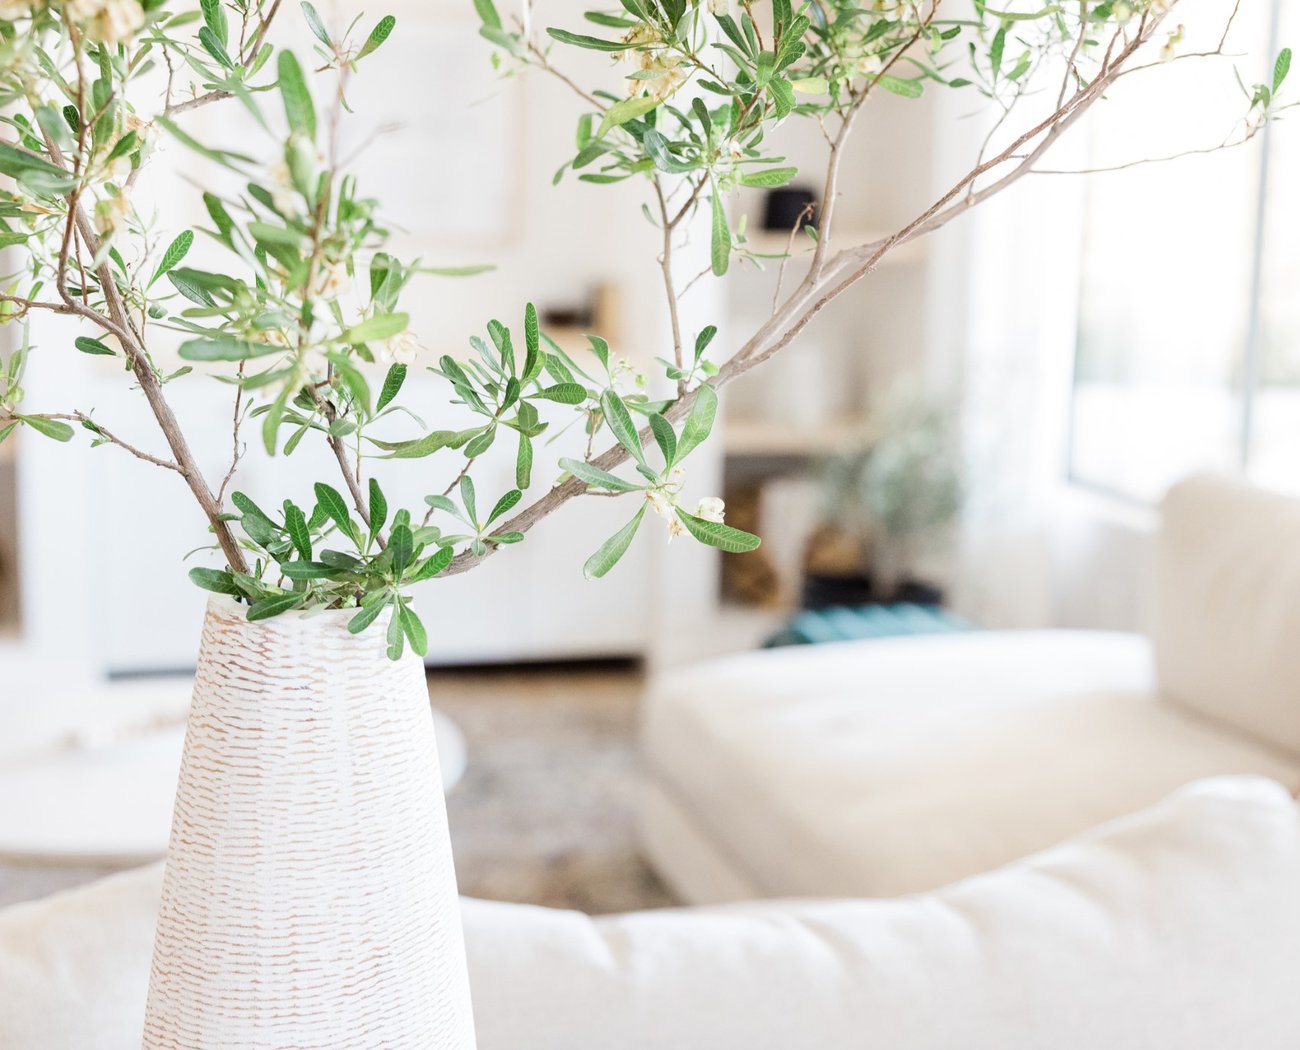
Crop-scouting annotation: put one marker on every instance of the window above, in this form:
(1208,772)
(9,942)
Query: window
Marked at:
(1188,346)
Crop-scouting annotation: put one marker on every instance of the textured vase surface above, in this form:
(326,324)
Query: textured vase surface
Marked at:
(309,900)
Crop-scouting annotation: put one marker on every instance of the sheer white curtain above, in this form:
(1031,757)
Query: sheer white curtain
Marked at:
(1004,282)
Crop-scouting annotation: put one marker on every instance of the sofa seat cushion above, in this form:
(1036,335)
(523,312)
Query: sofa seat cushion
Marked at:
(894,766)
(1175,927)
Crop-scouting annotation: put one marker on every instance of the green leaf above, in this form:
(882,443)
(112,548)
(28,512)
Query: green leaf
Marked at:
(703,340)
(337,559)
(214,16)
(504,504)
(782,97)
(467,497)
(613,548)
(174,254)
(628,109)
(600,348)
(337,510)
(315,24)
(810,85)
(298,108)
(769,177)
(392,385)
(395,633)
(18,164)
(219,581)
(488,13)
(619,421)
(431,565)
(381,326)
(368,615)
(214,47)
(268,607)
(93,346)
(271,421)
(427,445)
(995,50)
(720,242)
(378,509)
(192,290)
(563,393)
(413,629)
(401,545)
(51,428)
(592,43)
(664,438)
(308,570)
(524,462)
(256,523)
(716,534)
(224,348)
(699,423)
(532,344)
(377,36)
(900,86)
(295,524)
(597,478)
(1281,67)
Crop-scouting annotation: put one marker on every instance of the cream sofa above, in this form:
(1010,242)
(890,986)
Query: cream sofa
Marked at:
(886,767)
(1177,927)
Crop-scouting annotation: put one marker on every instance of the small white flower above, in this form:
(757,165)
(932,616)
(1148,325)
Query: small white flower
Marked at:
(107,21)
(711,509)
(331,281)
(664,504)
(118,169)
(870,65)
(282,193)
(145,130)
(110,214)
(660,504)
(401,349)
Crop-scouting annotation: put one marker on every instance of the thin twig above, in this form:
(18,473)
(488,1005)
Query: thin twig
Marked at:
(95,428)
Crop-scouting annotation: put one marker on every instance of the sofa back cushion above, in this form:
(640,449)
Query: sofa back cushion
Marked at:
(1175,927)
(1227,617)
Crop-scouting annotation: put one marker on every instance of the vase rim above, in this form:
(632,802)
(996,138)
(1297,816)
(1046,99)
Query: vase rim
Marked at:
(226,603)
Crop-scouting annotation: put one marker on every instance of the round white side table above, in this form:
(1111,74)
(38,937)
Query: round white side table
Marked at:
(103,793)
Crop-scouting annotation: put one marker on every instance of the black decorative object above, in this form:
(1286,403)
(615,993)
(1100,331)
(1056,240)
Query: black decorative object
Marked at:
(783,208)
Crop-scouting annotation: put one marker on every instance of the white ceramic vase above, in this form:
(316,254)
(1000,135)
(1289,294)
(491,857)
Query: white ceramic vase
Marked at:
(309,900)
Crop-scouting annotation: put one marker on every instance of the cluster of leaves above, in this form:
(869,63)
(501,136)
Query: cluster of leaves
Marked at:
(294,569)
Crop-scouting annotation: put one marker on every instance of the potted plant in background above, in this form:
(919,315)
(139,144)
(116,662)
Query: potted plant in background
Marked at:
(884,503)
(309,898)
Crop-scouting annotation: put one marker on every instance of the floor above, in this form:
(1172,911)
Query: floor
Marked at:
(546,811)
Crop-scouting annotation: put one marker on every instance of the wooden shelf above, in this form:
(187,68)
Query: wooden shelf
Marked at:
(774,242)
(756,438)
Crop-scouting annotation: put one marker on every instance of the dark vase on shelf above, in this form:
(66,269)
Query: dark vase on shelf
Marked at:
(783,208)
(821,590)
(917,592)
